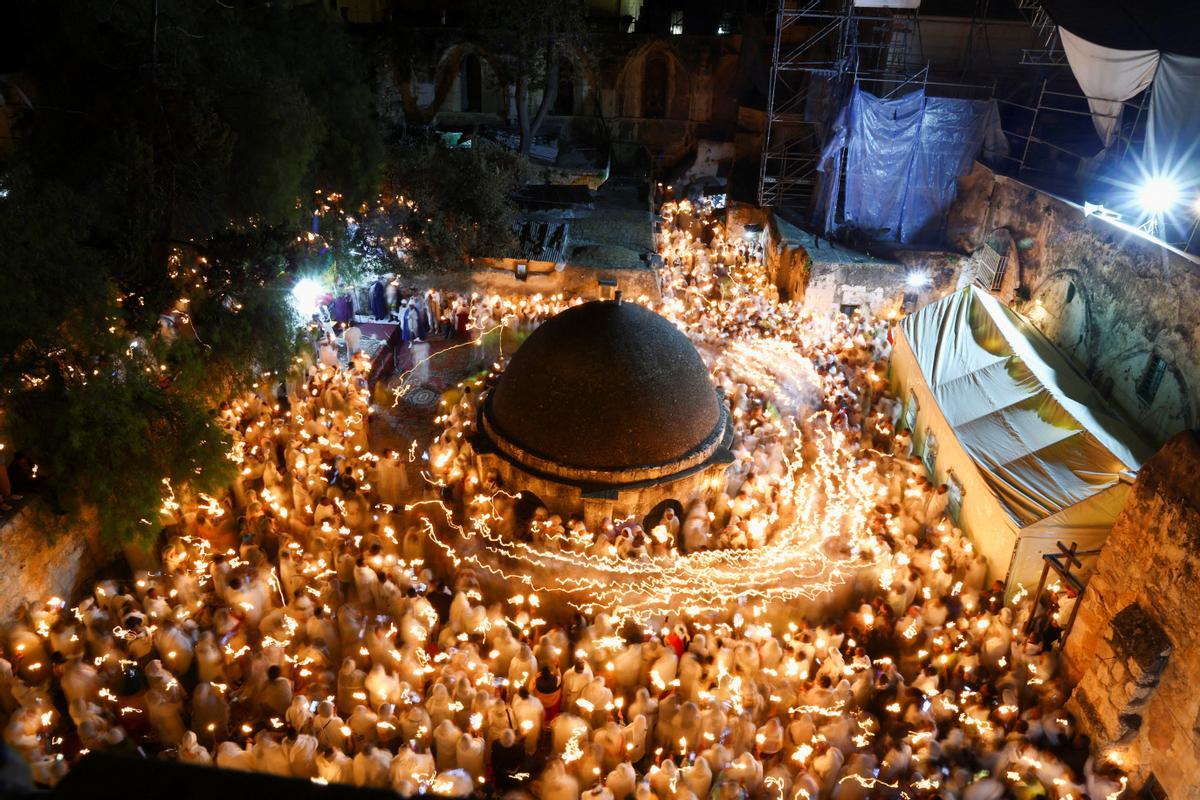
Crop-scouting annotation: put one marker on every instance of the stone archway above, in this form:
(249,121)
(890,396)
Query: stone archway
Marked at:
(656,86)
(452,65)
(525,507)
(1061,306)
(471,84)
(655,515)
(656,60)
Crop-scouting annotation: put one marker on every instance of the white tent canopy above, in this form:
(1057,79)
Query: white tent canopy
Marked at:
(1014,422)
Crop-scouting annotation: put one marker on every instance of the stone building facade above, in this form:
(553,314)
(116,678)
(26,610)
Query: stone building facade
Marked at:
(647,99)
(1135,643)
(1122,305)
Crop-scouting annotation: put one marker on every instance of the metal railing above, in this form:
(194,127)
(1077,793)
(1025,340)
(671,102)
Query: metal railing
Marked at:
(992,267)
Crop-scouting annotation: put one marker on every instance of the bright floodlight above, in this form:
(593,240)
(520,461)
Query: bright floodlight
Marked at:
(306,295)
(1158,195)
(917,279)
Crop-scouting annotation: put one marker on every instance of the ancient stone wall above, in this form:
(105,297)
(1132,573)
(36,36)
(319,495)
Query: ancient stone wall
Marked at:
(1135,644)
(827,277)
(634,93)
(42,557)
(633,282)
(1121,305)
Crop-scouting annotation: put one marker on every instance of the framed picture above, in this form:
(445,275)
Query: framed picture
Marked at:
(522,271)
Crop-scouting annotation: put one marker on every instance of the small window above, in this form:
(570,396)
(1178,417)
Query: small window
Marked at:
(910,412)
(676,22)
(608,288)
(1152,375)
(954,490)
(929,457)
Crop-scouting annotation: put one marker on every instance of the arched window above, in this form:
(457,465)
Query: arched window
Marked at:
(655,76)
(471,83)
(564,101)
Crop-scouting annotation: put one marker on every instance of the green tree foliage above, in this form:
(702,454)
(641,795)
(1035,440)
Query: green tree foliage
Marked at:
(440,206)
(162,171)
(462,202)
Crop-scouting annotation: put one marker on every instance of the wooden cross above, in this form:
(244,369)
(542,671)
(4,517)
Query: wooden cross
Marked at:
(1061,562)
(1068,554)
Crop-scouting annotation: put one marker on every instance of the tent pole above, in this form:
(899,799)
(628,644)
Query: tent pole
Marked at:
(1037,596)
(1071,620)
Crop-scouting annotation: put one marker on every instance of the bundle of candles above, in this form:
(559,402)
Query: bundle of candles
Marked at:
(338,615)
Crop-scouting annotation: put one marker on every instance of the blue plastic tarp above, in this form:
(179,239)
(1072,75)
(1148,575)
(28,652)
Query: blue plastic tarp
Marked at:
(902,158)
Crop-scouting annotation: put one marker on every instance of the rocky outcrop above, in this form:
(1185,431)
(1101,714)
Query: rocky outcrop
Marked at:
(1135,642)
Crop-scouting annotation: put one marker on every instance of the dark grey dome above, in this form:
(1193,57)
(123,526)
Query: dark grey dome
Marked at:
(606,391)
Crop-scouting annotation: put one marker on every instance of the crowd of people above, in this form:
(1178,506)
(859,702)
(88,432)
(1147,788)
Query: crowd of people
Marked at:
(434,313)
(315,623)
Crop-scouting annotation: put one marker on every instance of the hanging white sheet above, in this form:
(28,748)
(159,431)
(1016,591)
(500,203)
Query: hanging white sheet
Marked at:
(1108,77)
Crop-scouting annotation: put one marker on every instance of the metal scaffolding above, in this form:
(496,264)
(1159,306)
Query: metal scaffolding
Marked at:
(792,138)
(822,49)
(1049,50)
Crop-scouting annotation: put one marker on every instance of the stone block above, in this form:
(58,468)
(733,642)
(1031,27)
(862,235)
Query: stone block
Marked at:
(1160,735)
(1141,644)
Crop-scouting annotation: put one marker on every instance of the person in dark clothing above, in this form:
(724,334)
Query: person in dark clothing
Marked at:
(23,474)
(508,758)
(281,397)
(379,304)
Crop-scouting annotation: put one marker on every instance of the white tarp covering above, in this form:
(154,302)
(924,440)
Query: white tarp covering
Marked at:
(1030,443)
(1039,433)
(1108,77)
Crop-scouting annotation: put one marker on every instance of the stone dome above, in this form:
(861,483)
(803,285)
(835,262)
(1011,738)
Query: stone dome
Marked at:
(606,392)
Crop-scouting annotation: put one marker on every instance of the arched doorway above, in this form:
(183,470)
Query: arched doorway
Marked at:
(1064,312)
(471,84)
(526,506)
(656,514)
(564,101)
(656,75)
